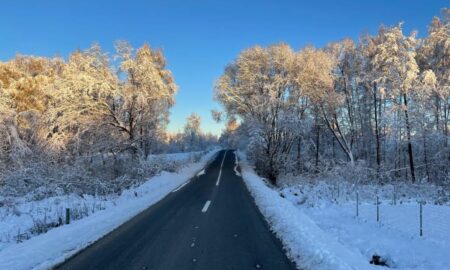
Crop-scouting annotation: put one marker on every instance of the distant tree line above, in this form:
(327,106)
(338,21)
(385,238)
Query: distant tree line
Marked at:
(192,138)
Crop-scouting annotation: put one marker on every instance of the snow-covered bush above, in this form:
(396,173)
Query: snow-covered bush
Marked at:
(41,179)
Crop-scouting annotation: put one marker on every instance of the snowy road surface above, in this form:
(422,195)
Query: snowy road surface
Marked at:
(209,223)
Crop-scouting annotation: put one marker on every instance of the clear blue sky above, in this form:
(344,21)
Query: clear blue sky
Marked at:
(199,37)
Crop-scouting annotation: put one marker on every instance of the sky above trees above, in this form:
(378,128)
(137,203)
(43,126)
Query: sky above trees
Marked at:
(198,38)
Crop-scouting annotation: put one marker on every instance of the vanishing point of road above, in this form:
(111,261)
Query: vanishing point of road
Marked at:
(210,223)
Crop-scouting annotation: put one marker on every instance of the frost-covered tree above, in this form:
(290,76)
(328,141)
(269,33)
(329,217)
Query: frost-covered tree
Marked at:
(192,131)
(193,138)
(66,112)
(395,58)
(258,88)
(434,55)
(381,104)
(24,99)
(216,115)
(327,84)
(147,94)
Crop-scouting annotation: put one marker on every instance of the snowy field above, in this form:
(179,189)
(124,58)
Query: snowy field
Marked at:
(319,228)
(395,237)
(21,248)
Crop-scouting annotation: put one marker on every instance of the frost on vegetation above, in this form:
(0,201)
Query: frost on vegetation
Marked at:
(38,208)
(317,221)
(39,180)
(60,243)
(316,192)
(370,111)
(89,123)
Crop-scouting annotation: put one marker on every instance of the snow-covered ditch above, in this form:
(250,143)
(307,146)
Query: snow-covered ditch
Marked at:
(318,226)
(101,215)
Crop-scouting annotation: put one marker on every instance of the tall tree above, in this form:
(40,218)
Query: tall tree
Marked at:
(147,94)
(395,58)
(257,88)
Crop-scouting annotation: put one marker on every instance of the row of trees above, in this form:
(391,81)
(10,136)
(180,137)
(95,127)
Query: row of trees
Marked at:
(192,138)
(382,103)
(87,124)
(84,105)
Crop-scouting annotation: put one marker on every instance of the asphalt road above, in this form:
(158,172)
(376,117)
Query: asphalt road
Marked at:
(211,223)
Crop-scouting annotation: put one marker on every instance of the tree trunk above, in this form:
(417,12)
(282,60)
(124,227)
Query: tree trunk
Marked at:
(317,146)
(299,154)
(333,148)
(425,157)
(377,130)
(438,105)
(272,175)
(446,116)
(408,135)
(141,140)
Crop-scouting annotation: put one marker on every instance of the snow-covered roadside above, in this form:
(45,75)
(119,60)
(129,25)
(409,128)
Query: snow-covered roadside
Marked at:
(53,247)
(320,230)
(395,237)
(24,217)
(306,244)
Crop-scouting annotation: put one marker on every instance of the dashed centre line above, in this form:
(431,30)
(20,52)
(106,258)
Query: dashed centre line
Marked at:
(206,206)
(220,171)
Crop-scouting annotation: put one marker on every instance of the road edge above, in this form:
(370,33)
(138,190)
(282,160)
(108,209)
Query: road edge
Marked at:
(303,241)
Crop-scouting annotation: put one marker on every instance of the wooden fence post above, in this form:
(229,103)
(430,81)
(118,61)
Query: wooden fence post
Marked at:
(357,203)
(378,210)
(421,231)
(67,215)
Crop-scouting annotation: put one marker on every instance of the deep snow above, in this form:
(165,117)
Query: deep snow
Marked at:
(306,244)
(320,230)
(394,237)
(58,244)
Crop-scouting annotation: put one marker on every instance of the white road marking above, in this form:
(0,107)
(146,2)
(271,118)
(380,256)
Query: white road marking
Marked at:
(205,208)
(221,165)
(236,171)
(202,172)
(180,187)
(236,163)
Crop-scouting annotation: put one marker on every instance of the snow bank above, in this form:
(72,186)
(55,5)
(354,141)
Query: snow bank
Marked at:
(395,237)
(306,244)
(316,220)
(53,247)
